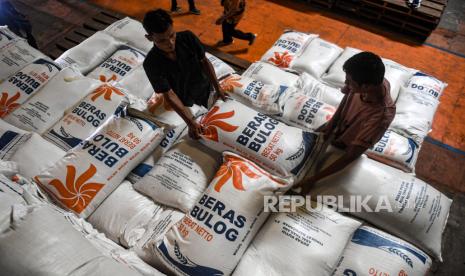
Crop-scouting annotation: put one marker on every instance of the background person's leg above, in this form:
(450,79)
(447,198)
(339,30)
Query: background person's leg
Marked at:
(192,7)
(227,32)
(240,34)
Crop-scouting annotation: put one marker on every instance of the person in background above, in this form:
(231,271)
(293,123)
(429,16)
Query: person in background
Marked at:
(192,8)
(233,13)
(16,22)
(178,69)
(363,116)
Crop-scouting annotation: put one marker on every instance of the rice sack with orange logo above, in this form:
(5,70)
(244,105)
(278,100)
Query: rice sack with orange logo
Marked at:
(374,252)
(286,48)
(261,97)
(270,74)
(15,55)
(212,237)
(277,147)
(395,150)
(88,173)
(137,83)
(83,120)
(23,84)
(119,65)
(305,112)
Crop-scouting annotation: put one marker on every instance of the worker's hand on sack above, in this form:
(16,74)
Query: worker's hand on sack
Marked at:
(195,129)
(221,94)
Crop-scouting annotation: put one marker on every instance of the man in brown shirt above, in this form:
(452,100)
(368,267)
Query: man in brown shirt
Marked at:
(363,116)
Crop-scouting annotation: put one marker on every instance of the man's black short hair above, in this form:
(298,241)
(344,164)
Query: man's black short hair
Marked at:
(365,68)
(157,21)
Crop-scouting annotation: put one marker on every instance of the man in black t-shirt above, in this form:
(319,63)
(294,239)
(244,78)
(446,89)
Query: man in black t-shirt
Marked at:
(177,68)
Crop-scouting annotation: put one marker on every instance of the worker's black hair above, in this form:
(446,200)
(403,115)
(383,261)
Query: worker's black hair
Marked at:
(365,68)
(157,21)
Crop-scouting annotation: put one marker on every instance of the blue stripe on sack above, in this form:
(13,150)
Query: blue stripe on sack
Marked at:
(141,169)
(6,138)
(308,140)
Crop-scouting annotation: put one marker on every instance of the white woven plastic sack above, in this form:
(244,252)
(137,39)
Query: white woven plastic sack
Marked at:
(270,74)
(36,155)
(181,175)
(305,112)
(7,37)
(11,139)
(261,97)
(15,56)
(414,114)
(426,85)
(283,52)
(8,168)
(212,237)
(312,87)
(397,75)
(165,113)
(395,150)
(222,69)
(130,31)
(124,214)
(170,138)
(40,241)
(90,53)
(310,240)
(124,61)
(316,57)
(419,211)
(80,122)
(279,148)
(43,110)
(90,172)
(373,252)
(335,75)
(24,84)
(138,84)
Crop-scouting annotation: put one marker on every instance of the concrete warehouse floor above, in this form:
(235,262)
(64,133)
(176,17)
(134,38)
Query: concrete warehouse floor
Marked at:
(442,157)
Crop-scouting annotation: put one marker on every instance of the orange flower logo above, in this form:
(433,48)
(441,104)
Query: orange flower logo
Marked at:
(212,120)
(8,105)
(76,194)
(281,60)
(104,79)
(230,82)
(156,101)
(331,110)
(105,90)
(234,167)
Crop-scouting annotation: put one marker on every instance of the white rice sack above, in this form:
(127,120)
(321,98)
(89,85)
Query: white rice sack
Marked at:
(270,74)
(24,84)
(397,75)
(165,113)
(279,148)
(137,83)
(124,61)
(419,211)
(43,110)
(8,168)
(395,150)
(90,53)
(12,193)
(90,172)
(414,114)
(124,214)
(426,85)
(336,75)
(373,252)
(11,140)
(80,122)
(312,87)
(222,69)
(286,48)
(311,240)
(130,31)
(305,112)
(170,138)
(36,155)
(40,241)
(316,57)
(211,239)
(261,97)
(181,175)
(15,56)
(7,37)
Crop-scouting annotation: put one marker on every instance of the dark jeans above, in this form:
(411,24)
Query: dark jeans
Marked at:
(174,5)
(230,31)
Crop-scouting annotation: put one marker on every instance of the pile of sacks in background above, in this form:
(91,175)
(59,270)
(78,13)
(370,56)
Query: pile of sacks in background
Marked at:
(73,160)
